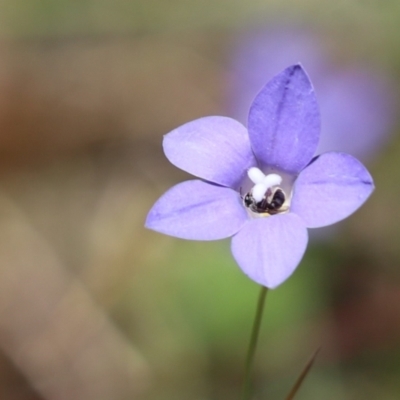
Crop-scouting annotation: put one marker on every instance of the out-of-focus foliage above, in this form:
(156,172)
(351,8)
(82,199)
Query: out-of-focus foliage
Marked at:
(93,306)
(36,17)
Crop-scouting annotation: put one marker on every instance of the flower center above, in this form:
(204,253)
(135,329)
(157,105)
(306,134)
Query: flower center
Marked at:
(266,196)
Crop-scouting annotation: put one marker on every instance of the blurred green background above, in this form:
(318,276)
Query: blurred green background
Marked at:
(92,305)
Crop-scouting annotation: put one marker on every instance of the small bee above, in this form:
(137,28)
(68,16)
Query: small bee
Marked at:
(271,203)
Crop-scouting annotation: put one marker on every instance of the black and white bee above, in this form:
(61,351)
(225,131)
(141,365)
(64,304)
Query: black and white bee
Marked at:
(271,203)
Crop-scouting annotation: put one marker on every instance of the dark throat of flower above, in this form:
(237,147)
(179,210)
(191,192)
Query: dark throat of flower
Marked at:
(266,195)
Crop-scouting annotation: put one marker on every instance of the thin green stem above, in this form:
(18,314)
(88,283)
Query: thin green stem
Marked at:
(253,344)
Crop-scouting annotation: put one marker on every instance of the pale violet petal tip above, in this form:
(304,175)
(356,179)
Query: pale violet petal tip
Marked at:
(330,189)
(269,249)
(284,121)
(214,148)
(197,210)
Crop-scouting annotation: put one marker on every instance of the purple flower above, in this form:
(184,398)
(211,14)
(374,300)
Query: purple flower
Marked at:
(356,102)
(261,185)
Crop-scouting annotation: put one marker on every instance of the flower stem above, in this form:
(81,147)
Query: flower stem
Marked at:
(253,343)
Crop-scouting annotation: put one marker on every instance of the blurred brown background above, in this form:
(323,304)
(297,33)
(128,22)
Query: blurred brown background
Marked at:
(93,306)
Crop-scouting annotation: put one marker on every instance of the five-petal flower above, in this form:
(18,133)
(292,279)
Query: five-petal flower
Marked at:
(261,185)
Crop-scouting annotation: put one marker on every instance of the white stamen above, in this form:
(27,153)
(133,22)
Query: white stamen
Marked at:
(258,191)
(272,180)
(256,175)
(262,182)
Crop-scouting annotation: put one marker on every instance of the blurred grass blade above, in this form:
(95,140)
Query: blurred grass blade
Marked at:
(302,376)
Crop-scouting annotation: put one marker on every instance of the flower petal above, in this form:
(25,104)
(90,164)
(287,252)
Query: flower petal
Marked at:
(216,149)
(197,210)
(331,188)
(269,249)
(284,121)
